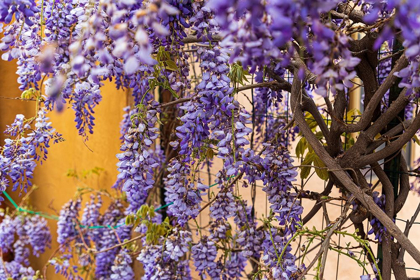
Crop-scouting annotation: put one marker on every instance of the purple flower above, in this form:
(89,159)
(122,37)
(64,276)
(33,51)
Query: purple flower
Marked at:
(7,233)
(15,270)
(177,245)
(121,270)
(204,253)
(19,8)
(138,160)
(273,245)
(164,262)
(183,195)
(67,223)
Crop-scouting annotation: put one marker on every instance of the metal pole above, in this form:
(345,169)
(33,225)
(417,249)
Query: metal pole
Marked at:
(392,163)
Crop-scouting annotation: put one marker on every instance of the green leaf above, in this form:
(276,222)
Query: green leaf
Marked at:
(353,115)
(171,65)
(210,153)
(237,73)
(311,121)
(321,171)
(416,139)
(151,211)
(305,170)
(29,93)
(129,220)
(143,210)
(319,135)
(301,147)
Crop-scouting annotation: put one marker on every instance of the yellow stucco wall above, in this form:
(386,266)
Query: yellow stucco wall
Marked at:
(55,187)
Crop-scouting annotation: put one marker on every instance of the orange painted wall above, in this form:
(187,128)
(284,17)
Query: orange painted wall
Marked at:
(55,187)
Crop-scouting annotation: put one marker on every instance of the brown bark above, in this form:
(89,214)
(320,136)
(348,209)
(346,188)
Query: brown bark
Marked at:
(376,99)
(342,176)
(388,190)
(404,186)
(318,205)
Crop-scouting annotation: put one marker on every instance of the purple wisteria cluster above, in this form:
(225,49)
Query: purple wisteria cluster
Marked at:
(95,231)
(14,270)
(22,235)
(20,9)
(249,237)
(183,195)
(122,267)
(53,37)
(186,66)
(68,222)
(166,260)
(25,146)
(378,228)
(406,20)
(138,161)
(204,253)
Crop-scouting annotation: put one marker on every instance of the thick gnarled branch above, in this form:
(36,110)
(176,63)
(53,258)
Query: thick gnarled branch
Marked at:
(376,98)
(343,177)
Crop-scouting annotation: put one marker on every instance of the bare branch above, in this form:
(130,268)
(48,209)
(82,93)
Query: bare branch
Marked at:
(354,14)
(407,230)
(388,135)
(376,98)
(393,147)
(396,107)
(389,210)
(398,267)
(317,205)
(273,85)
(279,79)
(343,177)
(387,188)
(404,185)
(326,242)
(193,39)
(337,115)
(310,106)
(17,98)
(178,101)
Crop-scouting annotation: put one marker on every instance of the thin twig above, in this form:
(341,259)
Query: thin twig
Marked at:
(180,100)
(121,244)
(407,230)
(17,98)
(193,39)
(272,85)
(326,242)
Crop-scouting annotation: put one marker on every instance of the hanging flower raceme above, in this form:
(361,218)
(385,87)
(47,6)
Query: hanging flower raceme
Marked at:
(377,227)
(165,261)
(183,195)
(66,51)
(138,160)
(204,253)
(122,267)
(24,148)
(21,9)
(274,245)
(279,188)
(68,223)
(22,235)
(94,232)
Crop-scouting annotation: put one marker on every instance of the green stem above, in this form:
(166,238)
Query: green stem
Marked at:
(348,255)
(363,242)
(306,249)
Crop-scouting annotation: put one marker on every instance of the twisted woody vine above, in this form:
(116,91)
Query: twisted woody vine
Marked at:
(189,65)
